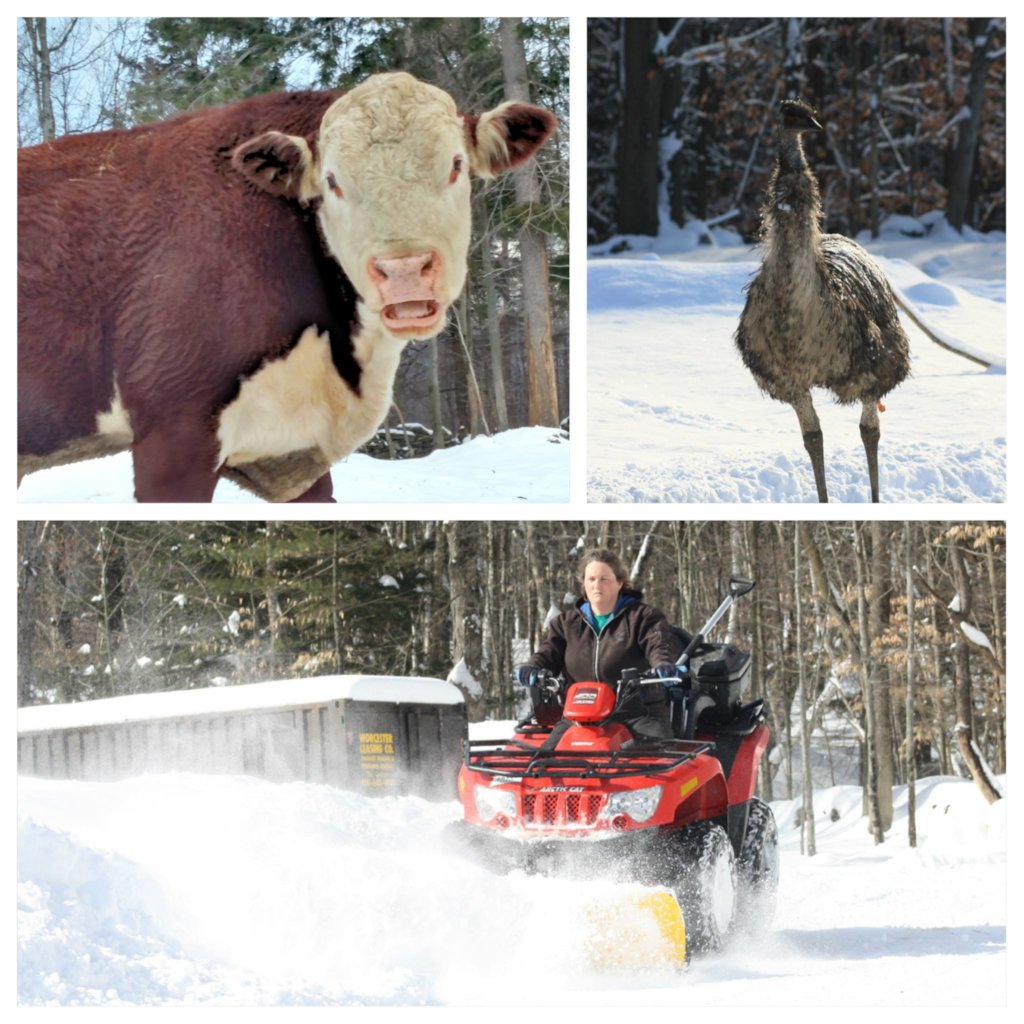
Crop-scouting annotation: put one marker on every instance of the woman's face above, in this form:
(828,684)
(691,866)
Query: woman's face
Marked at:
(601,587)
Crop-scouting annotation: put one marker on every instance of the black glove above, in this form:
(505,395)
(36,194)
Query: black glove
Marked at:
(668,673)
(527,675)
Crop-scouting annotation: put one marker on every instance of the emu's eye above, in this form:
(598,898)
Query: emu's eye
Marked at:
(456,170)
(332,184)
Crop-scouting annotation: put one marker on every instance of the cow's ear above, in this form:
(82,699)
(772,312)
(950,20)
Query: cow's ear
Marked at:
(279,164)
(507,136)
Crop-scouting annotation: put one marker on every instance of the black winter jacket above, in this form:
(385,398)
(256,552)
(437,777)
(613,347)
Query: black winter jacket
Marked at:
(637,636)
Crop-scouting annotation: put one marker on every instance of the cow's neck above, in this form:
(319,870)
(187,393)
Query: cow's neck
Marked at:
(378,353)
(300,404)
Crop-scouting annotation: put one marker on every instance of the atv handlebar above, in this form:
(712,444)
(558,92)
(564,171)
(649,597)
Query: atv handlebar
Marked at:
(544,680)
(547,681)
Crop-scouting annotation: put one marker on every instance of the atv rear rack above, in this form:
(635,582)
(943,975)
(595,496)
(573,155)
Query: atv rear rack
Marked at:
(522,760)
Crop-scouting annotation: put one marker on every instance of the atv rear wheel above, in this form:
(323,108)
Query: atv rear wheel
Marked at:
(707,889)
(758,868)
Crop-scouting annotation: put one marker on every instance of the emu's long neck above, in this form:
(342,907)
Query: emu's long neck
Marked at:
(791,218)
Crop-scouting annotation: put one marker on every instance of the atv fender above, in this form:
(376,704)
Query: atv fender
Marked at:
(703,794)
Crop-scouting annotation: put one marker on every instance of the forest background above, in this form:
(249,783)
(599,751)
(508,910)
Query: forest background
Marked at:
(503,361)
(890,636)
(682,119)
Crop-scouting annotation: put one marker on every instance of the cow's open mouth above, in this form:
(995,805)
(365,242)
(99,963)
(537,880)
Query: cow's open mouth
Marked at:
(416,313)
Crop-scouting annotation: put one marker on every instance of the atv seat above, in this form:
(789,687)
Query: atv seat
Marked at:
(686,708)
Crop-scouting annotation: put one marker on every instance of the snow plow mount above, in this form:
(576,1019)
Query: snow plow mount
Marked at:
(521,760)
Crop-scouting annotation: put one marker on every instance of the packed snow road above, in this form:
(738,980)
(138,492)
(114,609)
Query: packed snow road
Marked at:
(185,889)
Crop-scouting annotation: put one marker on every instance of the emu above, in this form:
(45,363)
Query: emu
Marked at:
(820,312)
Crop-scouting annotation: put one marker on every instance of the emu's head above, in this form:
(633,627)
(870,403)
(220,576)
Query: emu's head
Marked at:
(796,116)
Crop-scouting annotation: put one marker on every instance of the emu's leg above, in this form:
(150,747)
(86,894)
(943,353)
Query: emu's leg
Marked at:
(813,441)
(870,433)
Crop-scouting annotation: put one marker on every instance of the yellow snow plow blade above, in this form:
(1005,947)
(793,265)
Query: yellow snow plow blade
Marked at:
(638,932)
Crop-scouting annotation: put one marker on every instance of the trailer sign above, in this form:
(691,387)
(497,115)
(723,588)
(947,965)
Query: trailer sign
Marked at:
(377,759)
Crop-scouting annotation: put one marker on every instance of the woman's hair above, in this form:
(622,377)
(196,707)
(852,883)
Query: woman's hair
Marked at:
(610,559)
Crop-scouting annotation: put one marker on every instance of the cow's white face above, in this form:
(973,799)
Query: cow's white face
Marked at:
(391,176)
(393,169)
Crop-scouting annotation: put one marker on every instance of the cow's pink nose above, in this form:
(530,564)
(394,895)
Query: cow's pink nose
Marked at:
(404,275)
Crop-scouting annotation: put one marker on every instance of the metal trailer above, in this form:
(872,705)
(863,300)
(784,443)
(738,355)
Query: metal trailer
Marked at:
(373,734)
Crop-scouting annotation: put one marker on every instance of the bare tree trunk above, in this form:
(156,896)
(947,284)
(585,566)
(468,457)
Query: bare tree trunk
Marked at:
(881,699)
(494,344)
(868,687)
(999,689)
(676,612)
(640,561)
(735,569)
(910,739)
(639,136)
(939,720)
(537,585)
(437,636)
(961,162)
(436,416)
(271,592)
(805,722)
(474,414)
(759,680)
(876,127)
(540,358)
(497,640)
(339,653)
(854,144)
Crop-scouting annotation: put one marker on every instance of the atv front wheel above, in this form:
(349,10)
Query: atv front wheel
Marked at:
(707,889)
(758,868)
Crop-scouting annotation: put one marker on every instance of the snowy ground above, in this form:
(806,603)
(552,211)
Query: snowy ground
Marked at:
(530,464)
(188,890)
(673,415)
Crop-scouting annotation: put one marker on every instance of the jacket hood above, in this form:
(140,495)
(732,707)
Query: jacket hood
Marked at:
(627,597)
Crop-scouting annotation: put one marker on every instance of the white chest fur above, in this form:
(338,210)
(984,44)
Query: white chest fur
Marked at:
(299,402)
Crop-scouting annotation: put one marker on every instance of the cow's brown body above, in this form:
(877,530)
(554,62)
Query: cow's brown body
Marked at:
(194,281)
(155,280)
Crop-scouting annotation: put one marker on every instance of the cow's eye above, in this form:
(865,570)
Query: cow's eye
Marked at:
(456,170)
(332,184)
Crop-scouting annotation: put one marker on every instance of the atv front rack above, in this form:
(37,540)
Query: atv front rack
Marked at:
(523,760)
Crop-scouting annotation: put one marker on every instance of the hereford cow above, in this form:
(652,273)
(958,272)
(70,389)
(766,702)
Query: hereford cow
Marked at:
(229,292)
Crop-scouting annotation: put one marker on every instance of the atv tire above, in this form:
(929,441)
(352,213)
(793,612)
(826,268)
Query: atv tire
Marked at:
(707,890)
(758,868)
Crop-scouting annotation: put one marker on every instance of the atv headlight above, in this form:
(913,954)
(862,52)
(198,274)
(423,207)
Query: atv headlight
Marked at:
(639,804)
(492,802)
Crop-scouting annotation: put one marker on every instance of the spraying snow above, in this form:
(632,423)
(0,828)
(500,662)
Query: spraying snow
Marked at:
(187,889)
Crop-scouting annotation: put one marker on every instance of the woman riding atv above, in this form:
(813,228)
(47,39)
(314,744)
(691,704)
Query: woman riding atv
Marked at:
(610,629)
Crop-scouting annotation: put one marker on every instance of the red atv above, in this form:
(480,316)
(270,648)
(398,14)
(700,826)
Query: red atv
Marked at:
(586,796)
